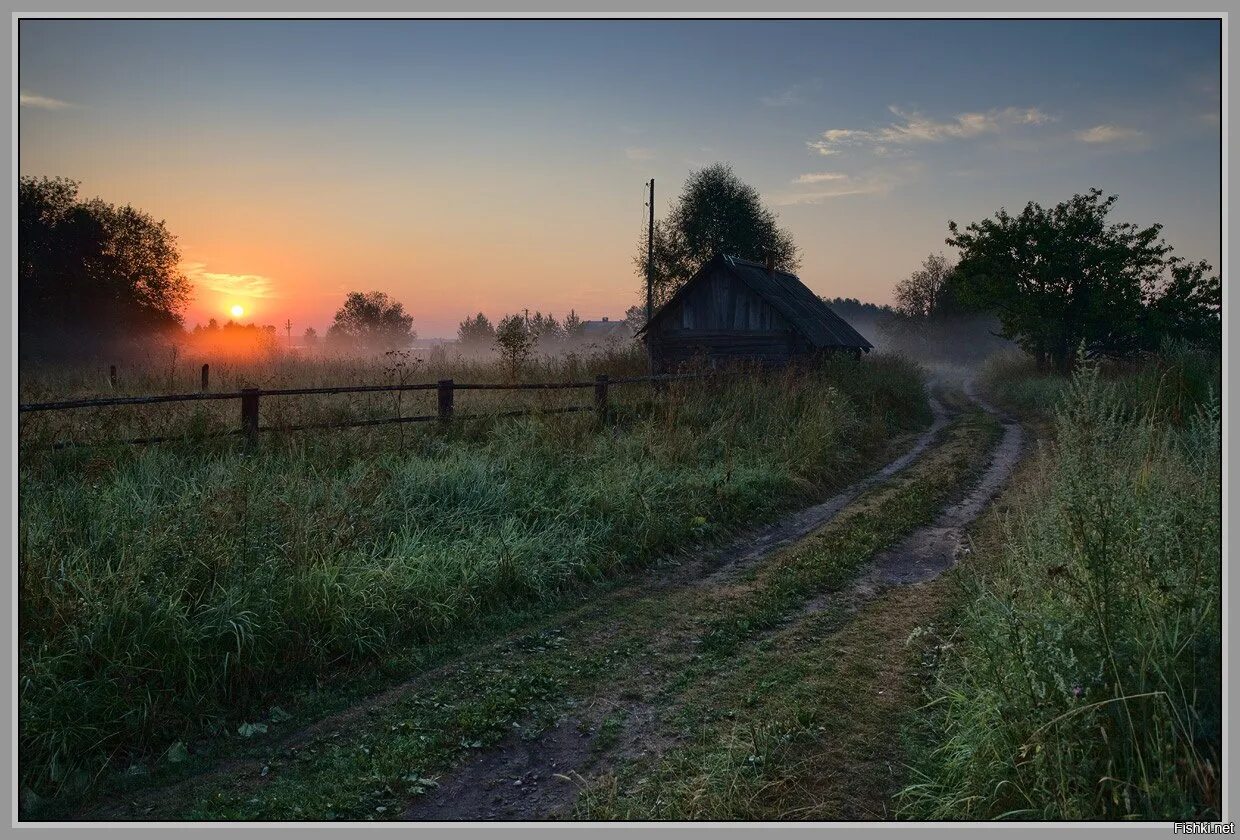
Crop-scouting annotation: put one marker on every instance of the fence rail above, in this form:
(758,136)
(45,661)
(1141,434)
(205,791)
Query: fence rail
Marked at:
(445,388)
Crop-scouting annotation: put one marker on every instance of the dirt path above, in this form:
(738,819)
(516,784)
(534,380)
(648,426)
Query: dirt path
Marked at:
(543,779)
(595,689)
(931,550)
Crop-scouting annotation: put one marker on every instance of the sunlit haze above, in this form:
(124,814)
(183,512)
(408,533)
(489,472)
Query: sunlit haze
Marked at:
(499,165)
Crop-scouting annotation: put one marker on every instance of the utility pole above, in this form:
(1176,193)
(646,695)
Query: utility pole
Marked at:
(650,259)
(288,325)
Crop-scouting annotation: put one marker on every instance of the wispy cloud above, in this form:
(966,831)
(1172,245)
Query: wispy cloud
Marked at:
(46,103)
(913,128)
(240,285)
(791,95)
(829,185)
(820,177)
(1107,133)
(639,153)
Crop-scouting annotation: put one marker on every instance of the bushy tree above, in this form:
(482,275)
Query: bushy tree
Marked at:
(371,321)
(477,331)
(574,327)
(715,212)
(514,341)
(93,269)
(1060,277)
(310,338)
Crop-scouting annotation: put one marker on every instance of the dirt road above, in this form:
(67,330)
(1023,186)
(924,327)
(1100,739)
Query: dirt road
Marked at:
(654,700)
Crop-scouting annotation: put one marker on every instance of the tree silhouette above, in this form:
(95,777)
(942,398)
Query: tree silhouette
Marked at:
(371,321)
(1062,276)
(477,331)
(92,270)
(515,341)
(716,212)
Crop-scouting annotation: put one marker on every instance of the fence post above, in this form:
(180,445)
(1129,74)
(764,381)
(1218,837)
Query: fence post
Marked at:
(445,400)
(249,414)
(112,376)
(600,396)
(206,373)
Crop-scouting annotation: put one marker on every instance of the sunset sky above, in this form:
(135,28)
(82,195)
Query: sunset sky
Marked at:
(495,165)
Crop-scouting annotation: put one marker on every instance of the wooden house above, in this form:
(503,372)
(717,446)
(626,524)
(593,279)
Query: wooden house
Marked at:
(606,332)
(737,310)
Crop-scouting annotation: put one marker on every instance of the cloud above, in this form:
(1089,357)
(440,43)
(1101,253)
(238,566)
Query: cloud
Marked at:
(240,285)
(913,128)
(1107,133)
(820,177)
(879,181)
(639,153)
(792,95)
(46,103)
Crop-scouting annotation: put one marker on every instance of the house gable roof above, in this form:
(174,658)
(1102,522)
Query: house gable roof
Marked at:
(785,292)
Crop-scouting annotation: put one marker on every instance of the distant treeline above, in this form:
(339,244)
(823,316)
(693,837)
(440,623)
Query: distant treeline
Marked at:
(1055,281)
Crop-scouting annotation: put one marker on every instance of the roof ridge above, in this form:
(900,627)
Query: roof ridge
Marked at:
(734,259)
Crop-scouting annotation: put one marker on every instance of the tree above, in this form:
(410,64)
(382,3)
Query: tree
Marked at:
(310,338)
(371,321)
(1062,276)
(92,269)
(927,292)
(476,332)
(515,341)
(716,212)
(546,329)
(574,327)
(635,317)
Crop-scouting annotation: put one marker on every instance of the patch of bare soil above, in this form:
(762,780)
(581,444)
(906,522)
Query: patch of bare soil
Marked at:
(539,778)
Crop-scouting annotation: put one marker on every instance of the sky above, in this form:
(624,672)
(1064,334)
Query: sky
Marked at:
(465,166)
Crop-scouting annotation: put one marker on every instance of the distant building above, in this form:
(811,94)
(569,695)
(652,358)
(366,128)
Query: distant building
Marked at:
(734,309)
(606,331)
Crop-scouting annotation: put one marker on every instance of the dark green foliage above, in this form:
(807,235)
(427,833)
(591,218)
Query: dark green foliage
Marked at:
(1064,276)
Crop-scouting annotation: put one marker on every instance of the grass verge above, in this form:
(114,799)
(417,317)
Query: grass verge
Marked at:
(1084,681)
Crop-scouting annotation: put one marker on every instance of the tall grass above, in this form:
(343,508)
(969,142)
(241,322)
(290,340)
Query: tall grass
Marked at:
(169,592)
(1170,385)
(165,373)
(1085,679)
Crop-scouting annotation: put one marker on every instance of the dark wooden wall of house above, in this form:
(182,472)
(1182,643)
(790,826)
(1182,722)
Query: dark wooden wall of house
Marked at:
(721,319)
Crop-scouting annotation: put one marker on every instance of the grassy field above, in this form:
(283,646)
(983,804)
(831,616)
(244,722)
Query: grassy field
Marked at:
(677,665)
(1083,677)
(181,592)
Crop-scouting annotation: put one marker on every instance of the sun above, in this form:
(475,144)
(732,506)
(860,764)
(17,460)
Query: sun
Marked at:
(237,310)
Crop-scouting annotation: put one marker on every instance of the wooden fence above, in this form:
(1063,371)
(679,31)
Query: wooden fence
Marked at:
(250,398)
